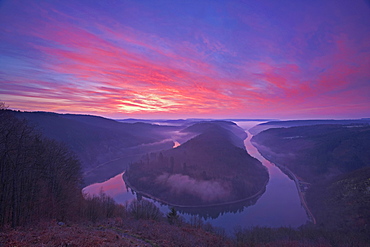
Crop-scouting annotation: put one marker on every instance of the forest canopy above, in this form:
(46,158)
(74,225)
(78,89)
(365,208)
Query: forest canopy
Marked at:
(209,169)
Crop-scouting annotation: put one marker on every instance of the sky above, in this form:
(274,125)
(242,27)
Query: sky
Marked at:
(283,59)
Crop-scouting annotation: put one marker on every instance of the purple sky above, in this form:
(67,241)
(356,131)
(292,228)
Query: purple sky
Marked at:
(244,59)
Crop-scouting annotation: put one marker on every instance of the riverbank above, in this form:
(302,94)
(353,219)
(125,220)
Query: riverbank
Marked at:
(297,182)
(302,197)
(142,193)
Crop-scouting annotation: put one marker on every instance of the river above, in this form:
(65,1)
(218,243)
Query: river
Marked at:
(278,206)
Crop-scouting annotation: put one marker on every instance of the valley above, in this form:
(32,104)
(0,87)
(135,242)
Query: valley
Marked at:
(221,172)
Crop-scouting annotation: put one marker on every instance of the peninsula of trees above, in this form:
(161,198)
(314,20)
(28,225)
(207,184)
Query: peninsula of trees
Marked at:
(211,168)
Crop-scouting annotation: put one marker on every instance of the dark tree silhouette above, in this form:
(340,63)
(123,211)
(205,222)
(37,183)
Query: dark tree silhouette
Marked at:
(39,178)
(172,216)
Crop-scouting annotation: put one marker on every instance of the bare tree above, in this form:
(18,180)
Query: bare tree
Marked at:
(39,178)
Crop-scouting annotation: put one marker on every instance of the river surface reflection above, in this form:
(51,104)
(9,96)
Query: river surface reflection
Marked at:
(278,206)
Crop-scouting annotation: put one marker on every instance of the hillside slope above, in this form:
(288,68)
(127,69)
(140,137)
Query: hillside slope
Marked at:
(335,159)
(210,168)
(104,146)
(295,123)
(317,152)
(343,202)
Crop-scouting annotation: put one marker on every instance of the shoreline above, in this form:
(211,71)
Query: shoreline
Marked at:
(288,172)
(292,176)
(129,185)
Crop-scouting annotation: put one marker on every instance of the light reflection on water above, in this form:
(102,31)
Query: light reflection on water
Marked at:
(114,187)
(176,144)
(278,206)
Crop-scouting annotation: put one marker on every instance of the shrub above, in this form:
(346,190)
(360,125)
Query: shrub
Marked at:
(98,207)
(144,209)
(172,216)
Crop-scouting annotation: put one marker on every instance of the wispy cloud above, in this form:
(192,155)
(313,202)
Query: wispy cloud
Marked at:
(236,60)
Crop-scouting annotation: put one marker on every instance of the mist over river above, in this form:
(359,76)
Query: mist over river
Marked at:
(278,206)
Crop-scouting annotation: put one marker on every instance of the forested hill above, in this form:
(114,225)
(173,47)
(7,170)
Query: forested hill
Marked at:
(317,152)
(343,202)
(295,123)
(335,159)
(104,146)
(206,170)
(232,132)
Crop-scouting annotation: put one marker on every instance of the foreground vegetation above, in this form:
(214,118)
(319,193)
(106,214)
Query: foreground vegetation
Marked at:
(40,179)
(128,230)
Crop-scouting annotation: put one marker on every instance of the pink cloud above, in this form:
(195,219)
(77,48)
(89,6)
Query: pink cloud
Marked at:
(107,67)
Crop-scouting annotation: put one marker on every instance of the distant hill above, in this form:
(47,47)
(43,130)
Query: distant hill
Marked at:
(295,123)
(208,169)
(319,151)
(104,146)
(177,122)
(235,134)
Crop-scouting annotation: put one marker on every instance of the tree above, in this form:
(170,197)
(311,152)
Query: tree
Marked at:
(39,178)
(101,206)
(172,216)
(144,209)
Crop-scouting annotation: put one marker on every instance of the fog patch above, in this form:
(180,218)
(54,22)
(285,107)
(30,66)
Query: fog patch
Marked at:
(268,150)
(207,191)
